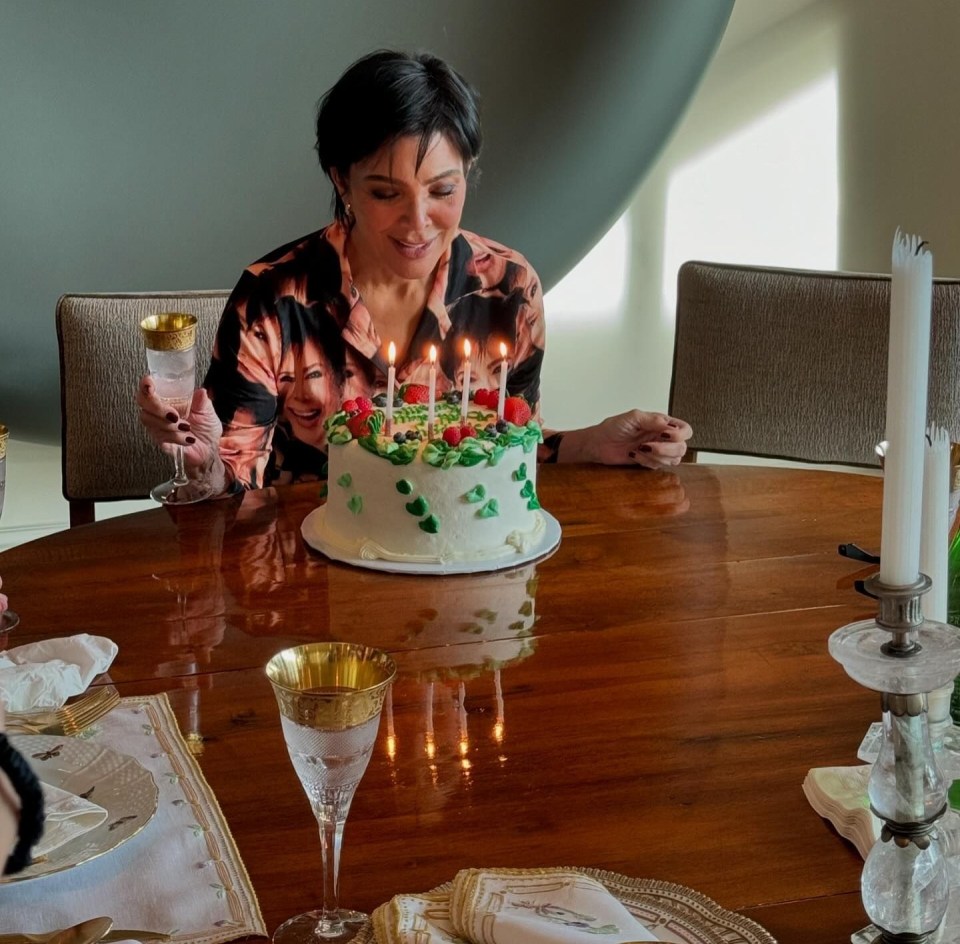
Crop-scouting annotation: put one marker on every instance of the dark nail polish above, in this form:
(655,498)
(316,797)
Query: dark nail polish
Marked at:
(184,427)
(666,437)
(173,417)
(646,448)
(632,454)
(190,440)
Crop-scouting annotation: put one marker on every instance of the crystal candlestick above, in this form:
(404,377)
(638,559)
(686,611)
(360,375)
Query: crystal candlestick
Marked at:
(904,885)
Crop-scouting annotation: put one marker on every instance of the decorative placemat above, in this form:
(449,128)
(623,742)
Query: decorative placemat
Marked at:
(673,913)
(181,874)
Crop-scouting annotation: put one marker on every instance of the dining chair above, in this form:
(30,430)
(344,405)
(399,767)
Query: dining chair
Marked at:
(106,453)
(792,364)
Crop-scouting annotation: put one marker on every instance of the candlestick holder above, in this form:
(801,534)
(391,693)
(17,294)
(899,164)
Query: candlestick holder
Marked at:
(904,885)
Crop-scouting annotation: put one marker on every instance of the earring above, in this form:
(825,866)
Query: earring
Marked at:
(348,209)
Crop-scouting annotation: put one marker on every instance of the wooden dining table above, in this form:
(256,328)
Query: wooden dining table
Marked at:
(646,700)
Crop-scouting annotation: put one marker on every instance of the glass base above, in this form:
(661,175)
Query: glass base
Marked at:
(313,928)
(170,493)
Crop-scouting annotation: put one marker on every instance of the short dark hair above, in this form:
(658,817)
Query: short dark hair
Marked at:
(387,95)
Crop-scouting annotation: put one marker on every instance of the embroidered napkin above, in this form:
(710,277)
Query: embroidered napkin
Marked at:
(66,816)
(510,906)
(839,794)
(45,674)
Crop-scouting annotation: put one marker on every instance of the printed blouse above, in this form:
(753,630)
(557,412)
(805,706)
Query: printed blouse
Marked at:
(296,340)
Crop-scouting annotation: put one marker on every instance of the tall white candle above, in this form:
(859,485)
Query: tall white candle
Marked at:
(503,380)
(465,390)
(935,524)
(911,291)
(432,403)
(391,381)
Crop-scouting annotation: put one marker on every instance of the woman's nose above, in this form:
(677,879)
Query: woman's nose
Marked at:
(417,211)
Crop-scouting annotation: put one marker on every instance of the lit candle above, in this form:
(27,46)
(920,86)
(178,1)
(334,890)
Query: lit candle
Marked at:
(465,391)
(429,744)
(911,292)
(462,718)
(503,380)
(391,733)
(432,404)
(391,380)
(498,692)
(935,525)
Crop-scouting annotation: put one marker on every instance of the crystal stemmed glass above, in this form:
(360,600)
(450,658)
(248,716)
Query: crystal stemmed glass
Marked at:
(8,619)
(330,696)
(170,341)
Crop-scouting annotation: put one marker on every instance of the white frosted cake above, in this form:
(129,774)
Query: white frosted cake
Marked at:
(468,493)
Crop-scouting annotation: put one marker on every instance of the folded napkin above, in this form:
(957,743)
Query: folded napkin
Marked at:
(45,674)
(510,906)
(839,794)
(66,816)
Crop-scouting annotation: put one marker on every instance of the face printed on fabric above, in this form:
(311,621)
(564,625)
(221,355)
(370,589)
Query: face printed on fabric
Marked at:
(405,218)
(356,382)
(308,392)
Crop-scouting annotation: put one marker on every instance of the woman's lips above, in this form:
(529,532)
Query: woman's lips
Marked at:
(306,417)
(413,250)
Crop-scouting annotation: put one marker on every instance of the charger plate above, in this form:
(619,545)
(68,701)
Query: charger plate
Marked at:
(115,781)
(672,913)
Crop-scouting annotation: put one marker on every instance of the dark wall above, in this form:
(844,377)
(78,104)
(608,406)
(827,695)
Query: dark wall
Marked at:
(163,144)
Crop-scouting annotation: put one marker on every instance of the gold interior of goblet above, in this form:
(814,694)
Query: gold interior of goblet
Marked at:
(330,685)
(169,331)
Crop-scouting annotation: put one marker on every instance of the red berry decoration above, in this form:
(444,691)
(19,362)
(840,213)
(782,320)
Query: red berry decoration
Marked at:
(415,393)
(516,410)
(359,424)
(350,406)
(467,430)
(451,436)
(481,396)
(364,404)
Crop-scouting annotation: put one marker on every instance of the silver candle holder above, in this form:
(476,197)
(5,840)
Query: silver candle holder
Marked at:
(904,885)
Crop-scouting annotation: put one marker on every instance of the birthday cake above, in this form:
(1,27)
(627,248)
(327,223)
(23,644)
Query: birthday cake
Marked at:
(399,489)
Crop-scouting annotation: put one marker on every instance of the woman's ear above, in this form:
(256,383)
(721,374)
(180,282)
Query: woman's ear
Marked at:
(341,183)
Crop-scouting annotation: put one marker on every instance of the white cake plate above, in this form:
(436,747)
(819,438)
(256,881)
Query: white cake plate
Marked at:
(312,530)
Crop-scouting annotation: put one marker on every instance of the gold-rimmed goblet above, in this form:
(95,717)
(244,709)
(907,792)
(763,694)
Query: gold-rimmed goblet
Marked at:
(170,339)
(330,696)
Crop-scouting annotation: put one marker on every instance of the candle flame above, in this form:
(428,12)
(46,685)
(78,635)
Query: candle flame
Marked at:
(466,348)
(391,747)
(503,349)
(391,352)
(433,353)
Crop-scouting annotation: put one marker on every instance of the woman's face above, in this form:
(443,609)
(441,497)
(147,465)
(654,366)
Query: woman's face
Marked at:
(355,380)
(406,217)
(308,391)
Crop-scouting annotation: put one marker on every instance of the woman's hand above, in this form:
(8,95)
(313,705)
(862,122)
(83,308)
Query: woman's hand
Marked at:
(200,437)
(653,440)
(4,604)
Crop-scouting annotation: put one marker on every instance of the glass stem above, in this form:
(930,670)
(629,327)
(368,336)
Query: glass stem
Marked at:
(179,473)
(331,836)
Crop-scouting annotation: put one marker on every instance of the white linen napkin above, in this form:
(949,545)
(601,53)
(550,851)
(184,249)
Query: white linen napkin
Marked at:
(510,906)
(66,816)
(45,674)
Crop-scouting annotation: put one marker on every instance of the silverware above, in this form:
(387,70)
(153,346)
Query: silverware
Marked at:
(123,935)
(86,932)
(69,720)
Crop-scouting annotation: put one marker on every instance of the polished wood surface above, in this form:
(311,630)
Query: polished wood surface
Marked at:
(657,721)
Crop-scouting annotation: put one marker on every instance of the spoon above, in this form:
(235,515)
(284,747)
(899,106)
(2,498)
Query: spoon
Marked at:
(86,932)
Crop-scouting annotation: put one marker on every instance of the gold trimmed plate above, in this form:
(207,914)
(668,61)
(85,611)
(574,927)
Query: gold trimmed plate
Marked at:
(673,913)
(115,781)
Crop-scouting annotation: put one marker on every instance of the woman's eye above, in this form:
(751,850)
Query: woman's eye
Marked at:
(314,374)
(445,192)
(383,194)
(285,378)
(349,373)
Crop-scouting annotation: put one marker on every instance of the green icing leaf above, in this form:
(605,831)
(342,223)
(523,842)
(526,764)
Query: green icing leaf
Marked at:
(527,489)
(476,494)
(518,625)
(355,504)
(345,480)
(496,455)
(324,469)
(526,608)
(323,490)
(533,504)
(418,507)
(339,437)
(521,472)
(404,487)
(487,615)
(490,510)
(430,524)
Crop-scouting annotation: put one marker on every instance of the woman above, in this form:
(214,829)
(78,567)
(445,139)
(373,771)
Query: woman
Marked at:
(398,136)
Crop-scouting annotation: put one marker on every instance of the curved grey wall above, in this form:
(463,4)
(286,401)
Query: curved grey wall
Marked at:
(163,144)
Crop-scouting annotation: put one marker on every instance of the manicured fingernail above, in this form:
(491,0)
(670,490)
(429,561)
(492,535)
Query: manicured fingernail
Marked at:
(632,455)
(665,437)
(172,417)
(674,424)
(646,449)
(184,427)
(190,440)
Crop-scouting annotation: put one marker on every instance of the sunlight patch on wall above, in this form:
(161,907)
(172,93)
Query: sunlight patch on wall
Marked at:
(767,195)
(594,290)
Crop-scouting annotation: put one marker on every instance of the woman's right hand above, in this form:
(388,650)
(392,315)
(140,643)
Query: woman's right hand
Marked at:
(200,436)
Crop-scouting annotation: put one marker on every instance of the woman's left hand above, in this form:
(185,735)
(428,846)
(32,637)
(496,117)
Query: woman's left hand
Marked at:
(653,440)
